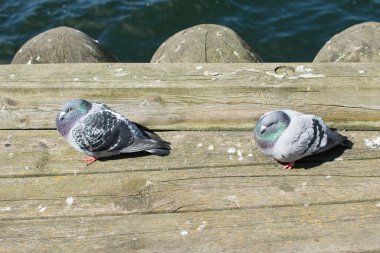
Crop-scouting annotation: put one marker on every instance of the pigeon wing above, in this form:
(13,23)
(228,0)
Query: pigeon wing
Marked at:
(333,139)
(305,135)
(102,131)
(313,135)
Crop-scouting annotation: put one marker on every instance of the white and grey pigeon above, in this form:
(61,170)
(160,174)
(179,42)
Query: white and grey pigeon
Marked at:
(98,131)
(288,136)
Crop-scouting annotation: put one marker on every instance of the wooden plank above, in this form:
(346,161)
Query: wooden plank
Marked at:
(350,227)
(44,152)
(40,171)
(194,96)
(200,198)
(175,191)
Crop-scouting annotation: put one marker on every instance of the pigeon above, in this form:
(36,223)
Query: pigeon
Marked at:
(287,136)
(98,131)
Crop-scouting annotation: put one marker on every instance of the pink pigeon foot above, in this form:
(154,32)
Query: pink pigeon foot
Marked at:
(89,160)
(288,166)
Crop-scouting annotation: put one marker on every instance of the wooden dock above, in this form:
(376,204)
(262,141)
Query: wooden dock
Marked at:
(215,192)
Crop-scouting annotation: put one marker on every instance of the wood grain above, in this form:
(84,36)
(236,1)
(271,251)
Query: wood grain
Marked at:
(29,153)
(350,227)
(40,172)
(203,197)
(193,96)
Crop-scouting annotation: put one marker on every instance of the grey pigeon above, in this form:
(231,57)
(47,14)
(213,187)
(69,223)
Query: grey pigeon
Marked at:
(98,131)
(288,136)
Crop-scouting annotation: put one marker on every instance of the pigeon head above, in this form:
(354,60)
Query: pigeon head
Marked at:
(71,113)
(270,127)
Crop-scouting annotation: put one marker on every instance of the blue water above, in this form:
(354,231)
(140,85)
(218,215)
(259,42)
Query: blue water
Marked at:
(279,30)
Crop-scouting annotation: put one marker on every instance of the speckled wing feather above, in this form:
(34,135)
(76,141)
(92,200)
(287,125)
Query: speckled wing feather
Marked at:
(102,131)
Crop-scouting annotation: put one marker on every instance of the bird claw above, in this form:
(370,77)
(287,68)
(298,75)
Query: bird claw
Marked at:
(89,160)
(288,166)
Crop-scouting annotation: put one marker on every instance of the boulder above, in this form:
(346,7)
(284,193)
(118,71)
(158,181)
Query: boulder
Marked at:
(358,43)
(205,43)
(62,45)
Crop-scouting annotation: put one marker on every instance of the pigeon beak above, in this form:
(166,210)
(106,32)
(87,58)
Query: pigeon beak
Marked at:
(262,129)
(62,115)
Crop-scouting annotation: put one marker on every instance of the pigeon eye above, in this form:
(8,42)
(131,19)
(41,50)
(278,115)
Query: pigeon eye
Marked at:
(70,109)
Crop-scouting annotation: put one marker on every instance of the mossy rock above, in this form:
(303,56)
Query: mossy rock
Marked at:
(206,43)
(62,45)
(359,43)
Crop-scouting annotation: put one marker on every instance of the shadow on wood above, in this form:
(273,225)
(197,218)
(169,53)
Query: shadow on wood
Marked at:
(326,156)
(126,156)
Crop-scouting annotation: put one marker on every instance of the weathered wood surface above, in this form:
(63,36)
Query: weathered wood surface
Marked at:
(194,96)
(350,227)
(200,198)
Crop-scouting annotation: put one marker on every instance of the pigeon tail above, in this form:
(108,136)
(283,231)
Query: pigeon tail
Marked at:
(346,143)
(146,140)
(160,147)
